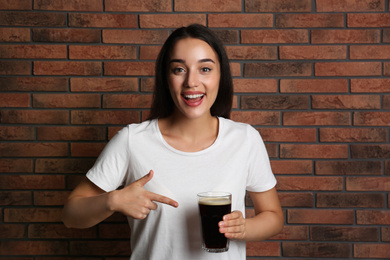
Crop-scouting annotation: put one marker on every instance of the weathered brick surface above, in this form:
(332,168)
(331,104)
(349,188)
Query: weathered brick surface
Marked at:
(311,76)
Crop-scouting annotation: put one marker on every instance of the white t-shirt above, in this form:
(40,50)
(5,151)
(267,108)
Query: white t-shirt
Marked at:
(237,161)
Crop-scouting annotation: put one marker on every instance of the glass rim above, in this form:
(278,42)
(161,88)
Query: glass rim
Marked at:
(214,194)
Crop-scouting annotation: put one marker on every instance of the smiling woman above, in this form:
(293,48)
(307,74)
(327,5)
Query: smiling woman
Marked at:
(188,139)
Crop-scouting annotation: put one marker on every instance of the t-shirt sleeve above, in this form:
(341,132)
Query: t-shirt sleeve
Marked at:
(260,175)
(110,168)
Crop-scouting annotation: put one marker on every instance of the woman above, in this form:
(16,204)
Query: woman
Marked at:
(187,146)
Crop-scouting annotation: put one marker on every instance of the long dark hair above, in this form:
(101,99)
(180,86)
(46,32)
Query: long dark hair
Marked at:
(163,104)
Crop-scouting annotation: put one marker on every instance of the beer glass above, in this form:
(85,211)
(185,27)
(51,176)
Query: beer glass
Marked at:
(213,205)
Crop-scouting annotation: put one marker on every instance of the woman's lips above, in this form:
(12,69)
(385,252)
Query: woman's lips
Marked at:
(193,100)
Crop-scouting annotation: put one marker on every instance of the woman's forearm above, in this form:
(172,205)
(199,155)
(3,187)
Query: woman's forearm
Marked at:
(263,226)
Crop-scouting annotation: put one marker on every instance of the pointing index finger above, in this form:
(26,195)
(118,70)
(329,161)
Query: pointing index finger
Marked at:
(162,199)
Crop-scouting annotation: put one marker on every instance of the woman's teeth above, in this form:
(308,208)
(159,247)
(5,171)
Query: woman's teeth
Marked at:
(193,96)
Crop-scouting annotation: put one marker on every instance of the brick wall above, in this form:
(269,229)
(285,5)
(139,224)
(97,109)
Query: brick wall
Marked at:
(311,75)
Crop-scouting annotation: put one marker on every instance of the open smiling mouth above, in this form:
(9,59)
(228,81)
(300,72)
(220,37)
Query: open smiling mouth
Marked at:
(193,98)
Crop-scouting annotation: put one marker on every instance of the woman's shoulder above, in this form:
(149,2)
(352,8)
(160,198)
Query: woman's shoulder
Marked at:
(137,128)
(231,125)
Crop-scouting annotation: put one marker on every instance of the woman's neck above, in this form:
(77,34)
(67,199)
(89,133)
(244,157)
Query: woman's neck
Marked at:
(187,134)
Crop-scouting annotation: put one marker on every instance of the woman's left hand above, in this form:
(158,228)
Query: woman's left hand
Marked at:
(233,225)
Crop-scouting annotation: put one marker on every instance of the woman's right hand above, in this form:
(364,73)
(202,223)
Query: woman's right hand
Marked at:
(135,201)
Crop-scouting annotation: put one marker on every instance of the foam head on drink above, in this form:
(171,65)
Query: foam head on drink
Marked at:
(211,212)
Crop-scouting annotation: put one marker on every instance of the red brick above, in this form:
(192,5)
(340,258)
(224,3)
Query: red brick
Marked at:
(292,233)
(71,133)
(14,34)
(34,117)
(9,231)
(385,102)
(370,85)
(262,248)
(104,117)
(104,20)
(252,52)
(346,102)
(240,20)
(369,52)
(15,67)
(62,166)
(385,234)
(70,5)
(348,168)
(103,84)
(86,149)
(312,52)
(147,84)
(70,68)
(288,134)
(129,68)
(350,135)
(126,101)
(306,183)
(17,133)
(135,37)
(235,69)
(386,36)
(15,198)
(16,165)
(207,6)
(15,5)
(345,36)
(313,85)
(149,52)
(170,20)
(373,217)
(272,150)
(309,20)
(256,117)
(39,19)
(55,231)
(316,250)
(33,84)
(313,151)
(32,215)
(316,118)
(371,251)
(358,234)
(291,167)
(255,85)
(368,184)
(66,35)
(348,69)
(50,198)
(368,20)
(371,118)
(66,101)
(102,52)
(228,36)
(33,149)
(295,199)
(274,36)
(138,6)
(386,68)
(350,200)
(31,182)
(288,69)
(319,216)
(14,100)
(107,247)
(277,6)
(274,102)
(350,6)
(34,248)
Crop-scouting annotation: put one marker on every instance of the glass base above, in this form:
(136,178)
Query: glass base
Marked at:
(216,250)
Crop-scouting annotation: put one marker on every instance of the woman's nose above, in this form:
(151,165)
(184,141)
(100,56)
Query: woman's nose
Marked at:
(192,79)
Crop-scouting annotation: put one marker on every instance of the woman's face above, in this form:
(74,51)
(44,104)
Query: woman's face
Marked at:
(193,77)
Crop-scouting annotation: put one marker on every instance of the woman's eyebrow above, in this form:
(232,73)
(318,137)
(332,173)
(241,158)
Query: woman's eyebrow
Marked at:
(200,61)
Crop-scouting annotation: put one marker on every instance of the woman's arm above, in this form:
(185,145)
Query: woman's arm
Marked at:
(88,205)
(267,222)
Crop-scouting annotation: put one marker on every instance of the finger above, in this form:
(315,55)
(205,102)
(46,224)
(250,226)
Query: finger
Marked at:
(145,179)
(233,215)
(163,199)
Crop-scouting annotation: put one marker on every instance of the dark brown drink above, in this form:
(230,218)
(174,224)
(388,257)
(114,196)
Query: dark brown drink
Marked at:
(211,210)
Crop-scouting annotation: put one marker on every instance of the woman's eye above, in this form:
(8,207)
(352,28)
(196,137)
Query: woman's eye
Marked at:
(177,70)
(205,69)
